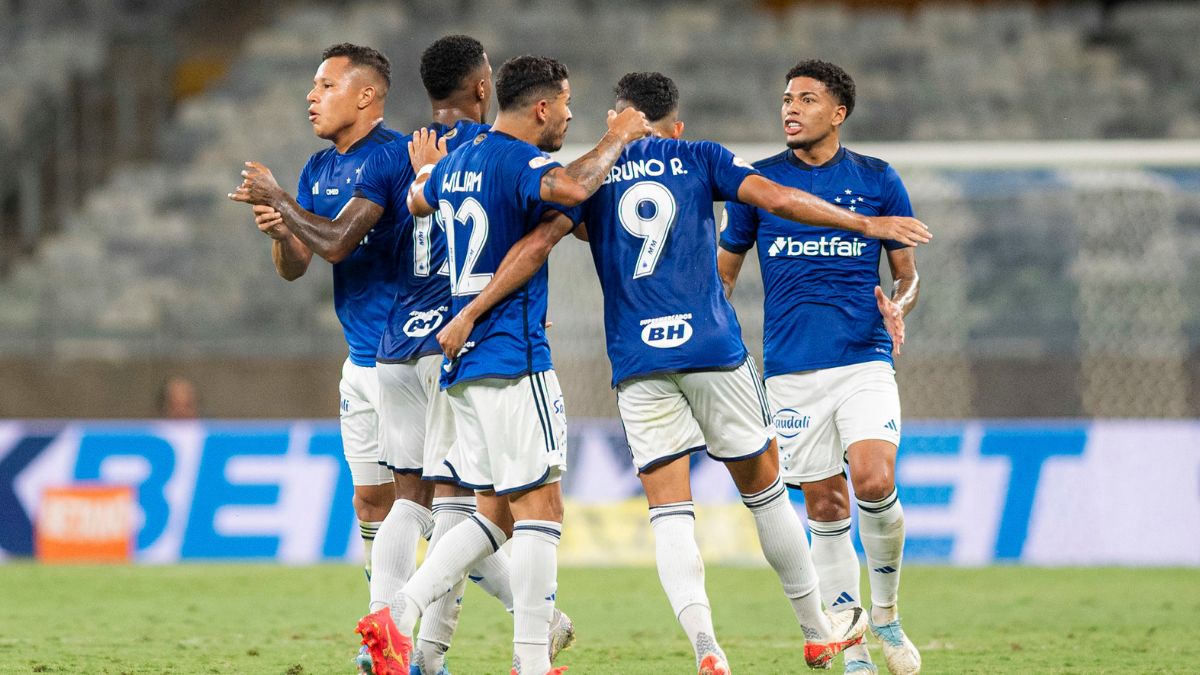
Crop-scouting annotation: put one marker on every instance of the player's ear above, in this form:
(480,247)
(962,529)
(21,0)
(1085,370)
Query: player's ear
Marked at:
(366,96)
(839,115)
(678,129)
(541,110)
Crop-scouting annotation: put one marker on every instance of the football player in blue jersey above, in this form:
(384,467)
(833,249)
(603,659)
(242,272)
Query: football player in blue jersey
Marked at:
(345,107)
(829,337)
(684,379)
(501,199)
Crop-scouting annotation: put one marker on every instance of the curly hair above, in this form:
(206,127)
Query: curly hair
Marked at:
(447,62)
(524,79)
(654,94)
(365,57)
(837,81)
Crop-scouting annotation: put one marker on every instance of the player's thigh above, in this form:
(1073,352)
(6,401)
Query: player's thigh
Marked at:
(516,432)
(868,421)
(731,408)
(809,447)
(440,433)
(359,422)
(403,405)
(658,421)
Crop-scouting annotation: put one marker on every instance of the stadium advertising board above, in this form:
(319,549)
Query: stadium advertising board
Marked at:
(1047,493)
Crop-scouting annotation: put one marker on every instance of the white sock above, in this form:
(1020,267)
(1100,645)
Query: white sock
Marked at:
(838,571)
(785,547)
(440,619)
(881,528)
(534,585)
(394,554)
(459,550)
(367,529)
(681,572)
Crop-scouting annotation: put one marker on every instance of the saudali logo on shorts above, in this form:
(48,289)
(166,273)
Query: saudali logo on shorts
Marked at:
(790,423)
(664,332)
(420,324)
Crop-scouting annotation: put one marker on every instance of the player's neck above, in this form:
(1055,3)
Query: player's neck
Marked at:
(820,153)
(447,113)
(354,133)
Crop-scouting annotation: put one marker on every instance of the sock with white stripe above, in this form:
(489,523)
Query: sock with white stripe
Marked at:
(458,551)
(881,528)
(534,585)
(785,546)
(367,529)
(838,571)
(681,571)
(394,555)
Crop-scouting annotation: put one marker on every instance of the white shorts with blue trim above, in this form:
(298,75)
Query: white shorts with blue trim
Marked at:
(512,434)
(821,413)
(359,419)
(417,425)
(669,415)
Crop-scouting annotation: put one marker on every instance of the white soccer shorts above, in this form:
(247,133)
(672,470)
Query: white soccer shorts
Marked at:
(416,431)
(512,434)
(819,414)
(670,415)
(359,418)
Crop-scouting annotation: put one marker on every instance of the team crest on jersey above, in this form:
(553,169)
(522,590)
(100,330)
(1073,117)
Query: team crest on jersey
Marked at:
(479,138)
(789,423)
(848,199)
(738,161)
(539,162)
(665,332)
(450,134)
(421,324)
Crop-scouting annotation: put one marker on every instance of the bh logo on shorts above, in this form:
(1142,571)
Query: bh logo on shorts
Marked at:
(789,423)
(420,324)
(665,332)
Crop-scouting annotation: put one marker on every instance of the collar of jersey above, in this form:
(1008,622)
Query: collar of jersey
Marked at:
(800,164)
(363,141)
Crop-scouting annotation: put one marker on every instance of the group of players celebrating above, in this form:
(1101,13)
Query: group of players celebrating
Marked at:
(453,420)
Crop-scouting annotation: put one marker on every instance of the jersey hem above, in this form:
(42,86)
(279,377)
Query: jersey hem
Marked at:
(683,371)
(825,365)
(495,376)
(414,357)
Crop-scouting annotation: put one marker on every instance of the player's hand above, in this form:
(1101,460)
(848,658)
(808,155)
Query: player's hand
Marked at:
(893,319)
(629,124)
(907,231)
(425,148)
(270,222)
(258,186)
(454,335)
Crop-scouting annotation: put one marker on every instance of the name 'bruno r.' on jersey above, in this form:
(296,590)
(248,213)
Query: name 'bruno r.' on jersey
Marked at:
(653,239)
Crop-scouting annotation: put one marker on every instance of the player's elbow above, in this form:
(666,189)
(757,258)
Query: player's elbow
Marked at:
(572,194)
(291,274)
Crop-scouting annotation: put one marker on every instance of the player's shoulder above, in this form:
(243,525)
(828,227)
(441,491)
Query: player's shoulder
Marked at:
(867,162)
(775,160)
(381,135)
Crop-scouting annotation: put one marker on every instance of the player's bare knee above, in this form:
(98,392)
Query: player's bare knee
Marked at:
(873,488)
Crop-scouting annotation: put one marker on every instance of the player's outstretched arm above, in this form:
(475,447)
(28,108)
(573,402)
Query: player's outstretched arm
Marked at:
(729,265)
(906,287)
(803,207)
(425,150)
(572,185)
(290,255)
(519,265)
(333,240)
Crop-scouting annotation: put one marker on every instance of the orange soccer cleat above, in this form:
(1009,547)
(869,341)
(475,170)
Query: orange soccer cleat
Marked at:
(848,629)
(713,664)
(553,671)
(390,649)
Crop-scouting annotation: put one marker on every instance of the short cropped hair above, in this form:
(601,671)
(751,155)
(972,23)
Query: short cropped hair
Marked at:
(364,57)
(447,62)
(525,79)
(837,81)
(654,94)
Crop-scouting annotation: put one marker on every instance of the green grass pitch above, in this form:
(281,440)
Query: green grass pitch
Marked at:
(203,618)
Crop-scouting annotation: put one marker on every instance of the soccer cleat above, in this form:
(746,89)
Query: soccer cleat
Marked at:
(901,654)
(562,633)
(713,664)
(860,666)
(553,671)
(416,670)
(388,648)
(362,661)
(848,628)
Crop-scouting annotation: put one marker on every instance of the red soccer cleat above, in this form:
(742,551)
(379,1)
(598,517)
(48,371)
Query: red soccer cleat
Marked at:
(389,648)
(848,629)
(553,671)
(712,664)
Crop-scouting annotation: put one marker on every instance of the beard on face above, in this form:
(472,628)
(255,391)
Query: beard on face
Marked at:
(806,144)
(552,137)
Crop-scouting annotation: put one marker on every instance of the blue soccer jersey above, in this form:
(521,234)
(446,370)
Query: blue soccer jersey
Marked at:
(488,195)
(364,283)
(422,301)
(819,307)
(653,239)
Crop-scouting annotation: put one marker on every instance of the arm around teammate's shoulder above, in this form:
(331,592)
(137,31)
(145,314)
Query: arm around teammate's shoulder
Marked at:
(572,185)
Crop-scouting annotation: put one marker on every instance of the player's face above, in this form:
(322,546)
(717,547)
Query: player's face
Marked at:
(558,115)
(810,113)
(333,100)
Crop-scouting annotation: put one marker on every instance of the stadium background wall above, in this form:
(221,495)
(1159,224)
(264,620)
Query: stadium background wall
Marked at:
(974,492)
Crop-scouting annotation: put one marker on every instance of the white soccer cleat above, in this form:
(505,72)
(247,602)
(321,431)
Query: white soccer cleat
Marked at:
(562,633)
(901,654)
(848,629)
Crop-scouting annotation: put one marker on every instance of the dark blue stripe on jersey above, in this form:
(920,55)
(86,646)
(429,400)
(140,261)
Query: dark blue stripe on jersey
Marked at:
(669,458)
(557,534)
(540,408)
(886,502)
(521,488)
(691,514)
(475,519)
(756,453)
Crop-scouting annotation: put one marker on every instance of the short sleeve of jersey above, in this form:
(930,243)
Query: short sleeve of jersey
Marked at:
(725,169)
(529,165)
(382,171)
(739,228)
(895,203)
(304,195)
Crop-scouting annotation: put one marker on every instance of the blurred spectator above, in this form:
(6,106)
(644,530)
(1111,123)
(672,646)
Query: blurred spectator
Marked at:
(177,400)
